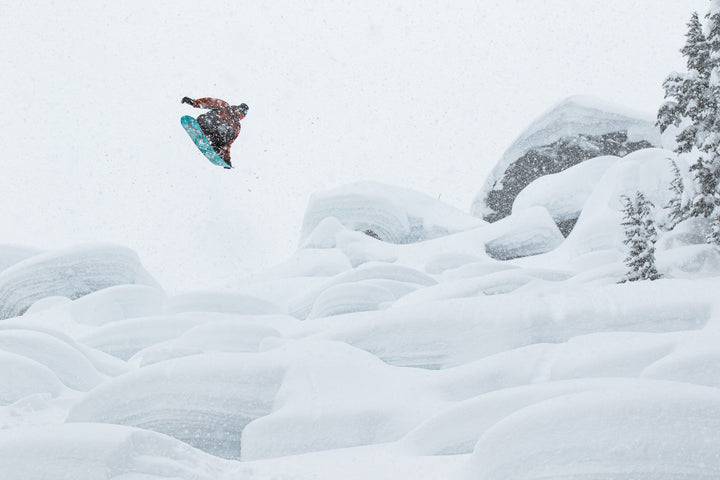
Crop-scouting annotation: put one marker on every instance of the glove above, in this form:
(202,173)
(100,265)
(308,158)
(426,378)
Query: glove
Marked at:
(187,100)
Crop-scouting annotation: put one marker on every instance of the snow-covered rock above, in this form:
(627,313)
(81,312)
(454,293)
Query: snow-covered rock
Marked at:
(361,289)
(69,364)
(125,338)
(425,335)
(97,451)
(70,273)
(230,334)
(530,232)
(638,429)
(21,376)
(202,400)
(564,194)
(577,129)
(391,214)
(318,406)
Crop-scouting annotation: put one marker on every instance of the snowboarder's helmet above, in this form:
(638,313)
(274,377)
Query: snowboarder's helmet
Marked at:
(239,109)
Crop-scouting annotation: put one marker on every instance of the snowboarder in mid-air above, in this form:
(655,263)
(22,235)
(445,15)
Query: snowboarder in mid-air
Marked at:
(221,125)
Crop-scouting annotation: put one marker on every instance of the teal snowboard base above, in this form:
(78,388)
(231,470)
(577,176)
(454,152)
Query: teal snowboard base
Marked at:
(196,134)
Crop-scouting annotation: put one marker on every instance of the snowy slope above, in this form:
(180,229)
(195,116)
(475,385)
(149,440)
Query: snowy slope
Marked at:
(364,358)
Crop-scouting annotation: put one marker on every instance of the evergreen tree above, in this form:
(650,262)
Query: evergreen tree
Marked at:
(640,238)
(678,210)
(694,106)
(706,175)
(714,235)
(687,91)
(696,49)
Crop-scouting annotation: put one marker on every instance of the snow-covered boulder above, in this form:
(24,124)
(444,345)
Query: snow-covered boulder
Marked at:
(530,232)
(70,273)
(125,338)
(360,289)
(21,376)
(67,362)
(391,214)
(230,334)
(576,130)
(96,452)
(640,429)
(425,335)
(319,408)
(564,194)
(202,400)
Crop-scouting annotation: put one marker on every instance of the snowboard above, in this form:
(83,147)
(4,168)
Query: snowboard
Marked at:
(203,144)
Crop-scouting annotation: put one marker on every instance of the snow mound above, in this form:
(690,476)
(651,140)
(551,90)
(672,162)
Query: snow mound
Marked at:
(21,377)
(391,214)
(95,451)
(361,289)
(424,335)
(625,430)
(202,400)
(69,364)
(241,334)
(317,407)
(530,232)
(577,129)
(125,338)
(564,194)
(70,273)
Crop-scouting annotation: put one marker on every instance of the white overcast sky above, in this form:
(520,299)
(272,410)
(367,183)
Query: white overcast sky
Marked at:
(420,94)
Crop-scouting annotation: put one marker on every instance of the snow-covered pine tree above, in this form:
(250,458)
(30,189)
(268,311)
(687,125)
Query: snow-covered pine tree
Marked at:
(678,209)
(640,238)
(686,91)
(694,106)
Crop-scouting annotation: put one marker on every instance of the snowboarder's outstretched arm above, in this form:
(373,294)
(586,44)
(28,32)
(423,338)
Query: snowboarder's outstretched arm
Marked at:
(206,102)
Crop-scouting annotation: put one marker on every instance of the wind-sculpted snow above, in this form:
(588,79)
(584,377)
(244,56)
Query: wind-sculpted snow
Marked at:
(624,430)
(424,335)
(564,194)
(361,289)
(530,232)
(71,367)
(316,408)
(203,400)
(223,334)
(390,214)
(125,338)
(21,377)
(70,273)
(97,451)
